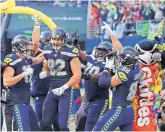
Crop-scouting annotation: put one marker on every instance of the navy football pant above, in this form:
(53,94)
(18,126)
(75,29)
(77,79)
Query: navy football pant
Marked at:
(96,110)
(116,117)
(9,119)
(57,104)
(25,117)
(38,104)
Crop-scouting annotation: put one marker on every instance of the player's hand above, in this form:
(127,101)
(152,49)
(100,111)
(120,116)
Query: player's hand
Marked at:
(156,56)
(107,27)
(36,19)
(43,75)
(59,91)
(85,76)
(109,64)
(75,38)
(28,72)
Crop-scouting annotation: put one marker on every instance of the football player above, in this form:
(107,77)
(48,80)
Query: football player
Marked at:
(96,101)
(65,71)
(40,87)
(123,84)
(17,78)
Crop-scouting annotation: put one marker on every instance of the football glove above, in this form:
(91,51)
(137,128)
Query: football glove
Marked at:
(107,27)
(43,74)
(75,38)
(36,19)
(28,72)
(85,76)
(109,65)
(59,91)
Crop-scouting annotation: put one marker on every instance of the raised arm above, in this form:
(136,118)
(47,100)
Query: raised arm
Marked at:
(36,32)
(115,42)
(75,42)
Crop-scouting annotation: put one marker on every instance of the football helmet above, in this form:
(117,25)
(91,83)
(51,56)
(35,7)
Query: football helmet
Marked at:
(59,34)
(128,56)
(45,38)
(22,44)
(103,50)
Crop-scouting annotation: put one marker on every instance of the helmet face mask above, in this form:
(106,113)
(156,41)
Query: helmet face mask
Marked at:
(45,41)
(104,50)
(100,54)
(28,51)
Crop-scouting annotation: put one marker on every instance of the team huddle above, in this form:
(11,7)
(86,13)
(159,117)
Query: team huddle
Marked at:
(47,69)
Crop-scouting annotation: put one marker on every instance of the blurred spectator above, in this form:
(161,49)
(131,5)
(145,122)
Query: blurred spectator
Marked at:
(148,13)
(95,12)
(70,3)
(116,12)
(112,13)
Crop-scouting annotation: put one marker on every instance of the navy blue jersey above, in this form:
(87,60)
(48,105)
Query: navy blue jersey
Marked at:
(124,93)
(39,86)
(92,90)
(59,64)
(20,92)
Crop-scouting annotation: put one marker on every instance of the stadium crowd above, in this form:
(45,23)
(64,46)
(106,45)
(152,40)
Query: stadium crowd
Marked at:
(129,12)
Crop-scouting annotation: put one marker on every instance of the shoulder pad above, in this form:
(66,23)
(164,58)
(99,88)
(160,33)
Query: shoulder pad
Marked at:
(70,51)
(75,50)
(11,59)
(122,73)
(69,46)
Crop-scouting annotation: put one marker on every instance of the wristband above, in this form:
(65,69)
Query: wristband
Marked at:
(37,26)
(66,86)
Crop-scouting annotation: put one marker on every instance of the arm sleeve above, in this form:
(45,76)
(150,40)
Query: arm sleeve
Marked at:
(104,80)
